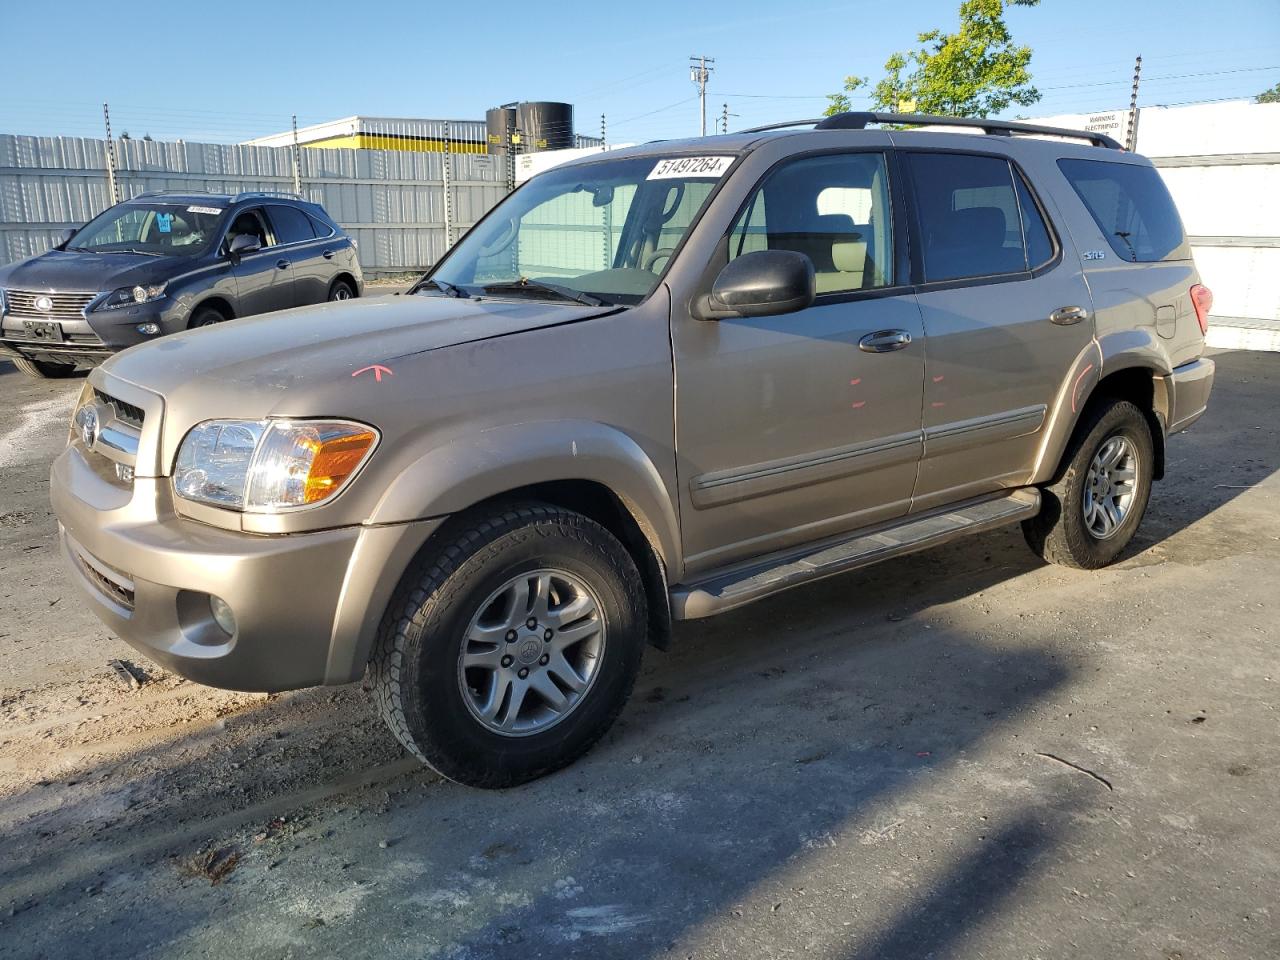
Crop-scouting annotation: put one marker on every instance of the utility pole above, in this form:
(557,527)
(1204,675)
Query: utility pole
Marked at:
(1131,135)
(297,157)
(699,73)
(447,177)
(111,158)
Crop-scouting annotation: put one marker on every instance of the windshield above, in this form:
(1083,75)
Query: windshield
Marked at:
(599,232)
(161,229)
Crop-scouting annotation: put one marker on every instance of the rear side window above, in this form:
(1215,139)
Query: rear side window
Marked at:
(321,228)
(971,220)
(291,225)
(1131,206)
(834,209)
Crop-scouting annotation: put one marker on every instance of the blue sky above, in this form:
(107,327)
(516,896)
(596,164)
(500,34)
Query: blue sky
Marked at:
(229,70)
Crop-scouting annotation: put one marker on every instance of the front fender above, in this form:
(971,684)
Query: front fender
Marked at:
(466,470)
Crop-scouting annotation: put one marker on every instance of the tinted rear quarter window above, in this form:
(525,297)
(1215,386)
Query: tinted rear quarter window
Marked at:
(291,225)
(1131,206)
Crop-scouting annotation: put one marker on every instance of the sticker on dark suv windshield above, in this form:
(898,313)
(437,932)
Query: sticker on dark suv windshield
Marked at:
(164,222)
(212,211)
(681,167)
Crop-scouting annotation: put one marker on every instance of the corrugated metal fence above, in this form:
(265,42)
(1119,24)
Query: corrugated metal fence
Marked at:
(391,201)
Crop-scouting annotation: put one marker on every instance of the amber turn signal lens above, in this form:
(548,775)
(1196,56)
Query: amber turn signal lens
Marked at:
(335,460)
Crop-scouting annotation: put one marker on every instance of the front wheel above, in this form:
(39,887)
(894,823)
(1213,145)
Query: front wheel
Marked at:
(1091,513)
(44,369)
(511,648)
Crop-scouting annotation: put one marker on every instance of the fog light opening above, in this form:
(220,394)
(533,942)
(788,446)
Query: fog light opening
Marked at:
(222,615)
(150,329)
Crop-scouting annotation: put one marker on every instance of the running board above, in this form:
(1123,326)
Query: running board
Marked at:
(725,591)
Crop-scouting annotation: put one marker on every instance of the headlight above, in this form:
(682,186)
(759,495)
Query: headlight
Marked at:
(131,296)
(270,465)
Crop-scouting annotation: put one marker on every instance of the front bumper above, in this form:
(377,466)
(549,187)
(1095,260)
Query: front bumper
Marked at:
(93,338)
(1192,384)
(306,605)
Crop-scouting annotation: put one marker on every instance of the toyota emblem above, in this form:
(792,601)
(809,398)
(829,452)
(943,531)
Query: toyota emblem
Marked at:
(44,304)
(88,423)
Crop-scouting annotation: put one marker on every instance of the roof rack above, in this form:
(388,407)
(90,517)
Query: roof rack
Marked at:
(999,128)
(171,193)
(245,194)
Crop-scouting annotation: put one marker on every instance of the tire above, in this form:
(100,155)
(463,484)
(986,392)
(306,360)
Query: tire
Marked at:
(457,591)
(341,290)
(1067,531)
(44,369)
(205,317)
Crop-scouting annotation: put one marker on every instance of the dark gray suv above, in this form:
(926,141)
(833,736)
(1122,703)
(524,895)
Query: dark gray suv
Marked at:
(164,262)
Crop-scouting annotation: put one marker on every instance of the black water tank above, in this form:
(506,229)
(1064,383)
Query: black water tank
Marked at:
(498,122)
(544,125)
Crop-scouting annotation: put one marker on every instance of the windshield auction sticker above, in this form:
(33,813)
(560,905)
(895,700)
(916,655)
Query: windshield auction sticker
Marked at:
(685,167)
(212,211)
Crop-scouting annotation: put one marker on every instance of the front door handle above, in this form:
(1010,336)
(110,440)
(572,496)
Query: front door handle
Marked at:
(282,264)
(883,341)
(1065,316)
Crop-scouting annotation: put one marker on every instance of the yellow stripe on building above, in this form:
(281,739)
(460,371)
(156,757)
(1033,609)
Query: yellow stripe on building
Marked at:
(379,141)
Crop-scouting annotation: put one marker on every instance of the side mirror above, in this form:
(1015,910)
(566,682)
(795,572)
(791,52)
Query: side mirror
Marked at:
(65,237)
(766,283)
(243,243)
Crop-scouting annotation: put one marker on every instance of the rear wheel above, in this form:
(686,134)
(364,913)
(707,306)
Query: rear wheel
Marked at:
(1091,513)
(512,647)
(44,369)
(341,290)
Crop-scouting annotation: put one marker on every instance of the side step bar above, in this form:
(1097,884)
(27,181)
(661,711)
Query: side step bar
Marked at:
(725,591)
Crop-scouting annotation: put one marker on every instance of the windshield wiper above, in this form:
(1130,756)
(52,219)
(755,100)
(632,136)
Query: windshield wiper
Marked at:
(568,293)
(444,286)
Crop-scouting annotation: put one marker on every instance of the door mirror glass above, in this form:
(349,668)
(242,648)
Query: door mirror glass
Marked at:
(244,243)
(765,283)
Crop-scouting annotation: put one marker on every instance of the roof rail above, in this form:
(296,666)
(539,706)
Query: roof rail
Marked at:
(999,128)
(245,194)
(169,193)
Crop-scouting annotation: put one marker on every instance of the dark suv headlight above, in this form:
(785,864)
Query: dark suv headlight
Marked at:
(131,296)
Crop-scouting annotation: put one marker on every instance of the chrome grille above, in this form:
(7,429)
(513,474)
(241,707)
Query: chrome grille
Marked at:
(125,412)
(64,306)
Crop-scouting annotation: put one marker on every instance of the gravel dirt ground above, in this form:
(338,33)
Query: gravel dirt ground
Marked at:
(964,754)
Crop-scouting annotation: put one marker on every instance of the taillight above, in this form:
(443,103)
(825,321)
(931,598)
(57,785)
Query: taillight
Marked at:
(1202,300)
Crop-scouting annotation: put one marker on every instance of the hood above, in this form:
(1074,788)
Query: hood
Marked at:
(77,271)
(278,362)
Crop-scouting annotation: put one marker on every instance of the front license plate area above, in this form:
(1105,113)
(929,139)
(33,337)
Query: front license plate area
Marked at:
(45,330)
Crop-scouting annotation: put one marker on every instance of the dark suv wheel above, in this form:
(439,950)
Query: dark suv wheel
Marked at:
(341,290)
(511,647)
(44,369)
(1089,515)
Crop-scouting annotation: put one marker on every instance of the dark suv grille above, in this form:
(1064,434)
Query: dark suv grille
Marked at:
(63,306)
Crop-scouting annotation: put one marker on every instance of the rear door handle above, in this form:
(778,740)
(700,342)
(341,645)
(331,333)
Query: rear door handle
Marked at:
(328,254)
(884,341)
(282,264)
(1065,316)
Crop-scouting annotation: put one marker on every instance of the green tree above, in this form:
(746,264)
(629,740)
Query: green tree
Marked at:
(974,72)
(1269,96)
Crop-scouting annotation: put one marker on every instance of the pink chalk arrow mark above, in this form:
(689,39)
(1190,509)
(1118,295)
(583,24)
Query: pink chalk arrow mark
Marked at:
(378,370)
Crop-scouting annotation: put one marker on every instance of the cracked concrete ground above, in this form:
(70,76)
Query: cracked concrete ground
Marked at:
(964,753)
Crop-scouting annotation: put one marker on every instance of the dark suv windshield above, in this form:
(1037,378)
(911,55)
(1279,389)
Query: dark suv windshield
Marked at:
(159,228)
(605,229)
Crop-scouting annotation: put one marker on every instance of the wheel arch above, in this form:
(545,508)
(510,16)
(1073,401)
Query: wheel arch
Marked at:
(215,302)
(345,276)
(592,468)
